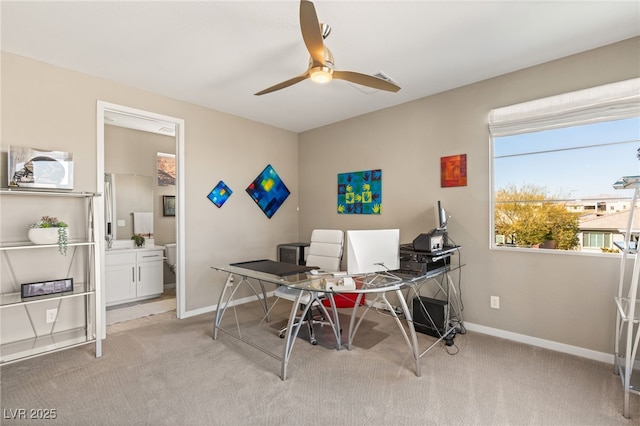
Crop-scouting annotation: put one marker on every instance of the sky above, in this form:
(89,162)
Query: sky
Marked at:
(557,162)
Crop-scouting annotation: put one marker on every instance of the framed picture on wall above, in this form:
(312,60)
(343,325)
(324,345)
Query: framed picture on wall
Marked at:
(220,194)
(268,191)
(453,171)
(360,192)
(168,205)
(166,169)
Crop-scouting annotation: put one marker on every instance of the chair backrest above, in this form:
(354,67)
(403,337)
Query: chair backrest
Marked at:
(325,250)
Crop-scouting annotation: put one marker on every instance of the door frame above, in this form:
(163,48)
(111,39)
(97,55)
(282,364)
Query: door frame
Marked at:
(103,107)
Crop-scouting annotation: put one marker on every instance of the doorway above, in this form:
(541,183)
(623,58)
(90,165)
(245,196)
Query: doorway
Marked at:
(140,120)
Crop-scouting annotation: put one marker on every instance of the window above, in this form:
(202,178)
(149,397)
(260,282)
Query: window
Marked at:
(596,240)
(554,161)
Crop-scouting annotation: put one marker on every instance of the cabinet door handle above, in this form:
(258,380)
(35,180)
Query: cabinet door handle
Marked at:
(139,273)
(133,274)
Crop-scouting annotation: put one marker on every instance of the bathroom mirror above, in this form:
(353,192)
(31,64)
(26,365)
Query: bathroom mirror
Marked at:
(125,194)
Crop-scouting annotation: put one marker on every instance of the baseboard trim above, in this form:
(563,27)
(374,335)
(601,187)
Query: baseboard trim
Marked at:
(534,341)
(213,308)
(196,312)
(541,343)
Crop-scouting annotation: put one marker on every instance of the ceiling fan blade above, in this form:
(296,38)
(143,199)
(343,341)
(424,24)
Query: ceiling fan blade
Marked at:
(366,80)
(311,33)
(284,84)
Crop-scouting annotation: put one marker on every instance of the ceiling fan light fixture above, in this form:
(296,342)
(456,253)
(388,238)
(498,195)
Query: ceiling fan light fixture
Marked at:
(321,74)
(321,64)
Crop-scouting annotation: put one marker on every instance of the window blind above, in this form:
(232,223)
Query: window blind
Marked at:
(614,101)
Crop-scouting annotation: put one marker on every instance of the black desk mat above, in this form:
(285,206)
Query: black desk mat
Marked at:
(280,269)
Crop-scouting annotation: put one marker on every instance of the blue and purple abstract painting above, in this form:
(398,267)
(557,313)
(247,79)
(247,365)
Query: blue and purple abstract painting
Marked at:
(268,191)
(220,194)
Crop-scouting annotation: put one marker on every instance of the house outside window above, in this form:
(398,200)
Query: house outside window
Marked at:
(553,163)
(597,240)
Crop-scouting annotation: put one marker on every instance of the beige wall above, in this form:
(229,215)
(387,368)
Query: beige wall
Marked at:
(562,298)
(52,108)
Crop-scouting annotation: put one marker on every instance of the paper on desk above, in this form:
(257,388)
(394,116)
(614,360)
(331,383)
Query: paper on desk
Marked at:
(345,283)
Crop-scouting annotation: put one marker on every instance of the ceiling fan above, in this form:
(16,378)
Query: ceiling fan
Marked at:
(321,62)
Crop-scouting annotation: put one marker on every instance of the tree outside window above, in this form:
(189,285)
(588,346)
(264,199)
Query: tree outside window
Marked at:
(528,217)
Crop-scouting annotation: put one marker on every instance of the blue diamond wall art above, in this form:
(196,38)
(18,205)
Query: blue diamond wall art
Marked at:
(268,191)
(220,194)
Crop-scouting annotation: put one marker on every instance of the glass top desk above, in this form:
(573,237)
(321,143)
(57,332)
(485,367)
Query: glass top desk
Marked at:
(317,286)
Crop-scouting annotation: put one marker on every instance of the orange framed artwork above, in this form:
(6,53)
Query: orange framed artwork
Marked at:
(453,171)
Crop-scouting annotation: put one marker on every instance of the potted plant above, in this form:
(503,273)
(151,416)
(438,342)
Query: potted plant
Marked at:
(138,239)
(548,241)
(50,230)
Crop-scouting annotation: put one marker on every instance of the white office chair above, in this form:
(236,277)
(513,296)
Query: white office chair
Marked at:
(325,252)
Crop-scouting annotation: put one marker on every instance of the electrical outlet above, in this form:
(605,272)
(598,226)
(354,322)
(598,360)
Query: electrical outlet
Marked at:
(51,315)
(495,302)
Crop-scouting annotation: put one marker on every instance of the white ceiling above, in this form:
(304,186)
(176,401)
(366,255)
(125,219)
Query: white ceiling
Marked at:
(219,53)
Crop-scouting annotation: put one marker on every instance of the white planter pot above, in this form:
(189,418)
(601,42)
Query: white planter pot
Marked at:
(44,235)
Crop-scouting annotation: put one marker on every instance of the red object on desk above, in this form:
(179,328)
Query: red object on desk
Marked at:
(343,300)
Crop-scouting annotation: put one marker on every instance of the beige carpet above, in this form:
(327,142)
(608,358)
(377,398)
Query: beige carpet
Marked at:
(128,313)
(158,370)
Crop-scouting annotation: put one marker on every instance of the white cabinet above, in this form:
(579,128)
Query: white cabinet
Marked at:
(31,326)
(149,265)
(133,274)
(120,280)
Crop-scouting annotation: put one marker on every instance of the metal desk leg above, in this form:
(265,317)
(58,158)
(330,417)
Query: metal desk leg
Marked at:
(335,322)
(352,322)
(291,334)
(411,339)
(263,301)
(456,304)
(293,327)
(222,307)
(412,331)
(337,332)
(224,303)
